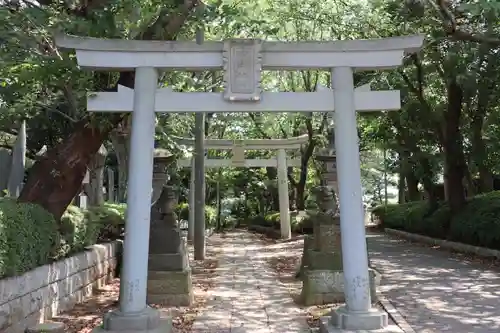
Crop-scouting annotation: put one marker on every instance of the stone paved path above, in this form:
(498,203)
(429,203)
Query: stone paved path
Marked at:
(247,297)
(435,290)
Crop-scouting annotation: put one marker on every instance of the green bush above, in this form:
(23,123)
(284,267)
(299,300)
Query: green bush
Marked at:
(77,231)
(109,219)
(299,224)
(303,224)
(478,223)
(410,216)
(210,216)
(182,211)
(29,237)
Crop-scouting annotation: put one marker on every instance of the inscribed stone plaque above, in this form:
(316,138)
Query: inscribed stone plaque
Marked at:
(238,159)
(242,66)
(325,281)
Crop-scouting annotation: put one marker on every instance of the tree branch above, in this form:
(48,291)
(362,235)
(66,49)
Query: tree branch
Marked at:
(258,127)
(454,31)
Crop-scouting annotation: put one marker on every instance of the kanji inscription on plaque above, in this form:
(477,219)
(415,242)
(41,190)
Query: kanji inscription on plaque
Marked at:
(242,66)
(238,159)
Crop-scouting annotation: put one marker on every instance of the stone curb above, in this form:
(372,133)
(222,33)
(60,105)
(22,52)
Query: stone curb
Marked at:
(458,247)
(395,314)
(270,232)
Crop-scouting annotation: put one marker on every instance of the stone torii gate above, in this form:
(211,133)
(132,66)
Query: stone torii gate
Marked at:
(238,148)
(242,61)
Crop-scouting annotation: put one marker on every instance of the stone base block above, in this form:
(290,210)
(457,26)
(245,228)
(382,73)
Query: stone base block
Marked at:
(324,260)
(168,262)
(344,321)
(170,288)
(147,320)
(322,287)
(327,286)
(47,327)
(165,326)
(171,299)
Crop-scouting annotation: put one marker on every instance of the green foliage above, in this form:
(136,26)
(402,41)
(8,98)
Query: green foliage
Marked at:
(182,211)
(300,224)
(30,237)
(109,219)
(76,232)
(478,223)
(210,216)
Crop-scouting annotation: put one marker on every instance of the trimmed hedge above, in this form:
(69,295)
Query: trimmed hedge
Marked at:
(300,224)
(28,237)
(31,237)
(478,223)
(182,211)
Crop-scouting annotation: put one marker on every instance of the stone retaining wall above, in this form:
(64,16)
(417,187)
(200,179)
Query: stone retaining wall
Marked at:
(454,246)
(48,290)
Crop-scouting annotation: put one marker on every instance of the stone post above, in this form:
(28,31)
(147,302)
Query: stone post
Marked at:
(18,161)
(133,314)
(191,201)
(199,187)
(82,199)
(285,226)
(358,314)
(169,274)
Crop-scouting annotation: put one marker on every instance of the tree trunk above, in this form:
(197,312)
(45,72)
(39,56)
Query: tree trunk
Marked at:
(479,152)
(120,140)
(453,149)
(301,202)
(401,188)
(301,184)
(409,176)
(428,183)
(56,178)
(412,185)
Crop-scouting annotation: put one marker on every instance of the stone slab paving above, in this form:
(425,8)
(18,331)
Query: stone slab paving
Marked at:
(435,290)
(247,296)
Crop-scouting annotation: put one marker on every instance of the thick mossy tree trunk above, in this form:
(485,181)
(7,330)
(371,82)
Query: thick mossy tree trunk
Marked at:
(57,177)
(300,186)
(454,159)
(120,139)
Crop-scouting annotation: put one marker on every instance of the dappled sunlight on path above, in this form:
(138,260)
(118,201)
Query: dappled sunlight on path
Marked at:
(248,297)
(437,291)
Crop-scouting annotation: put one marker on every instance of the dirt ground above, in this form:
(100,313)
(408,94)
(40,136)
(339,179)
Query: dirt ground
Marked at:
(87,315)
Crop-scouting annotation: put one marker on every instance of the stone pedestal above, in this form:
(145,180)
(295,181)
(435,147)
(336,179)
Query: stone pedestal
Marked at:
(321,271)
(47,327)
(169,274)
(304,261)
(148,321)
(322,263)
